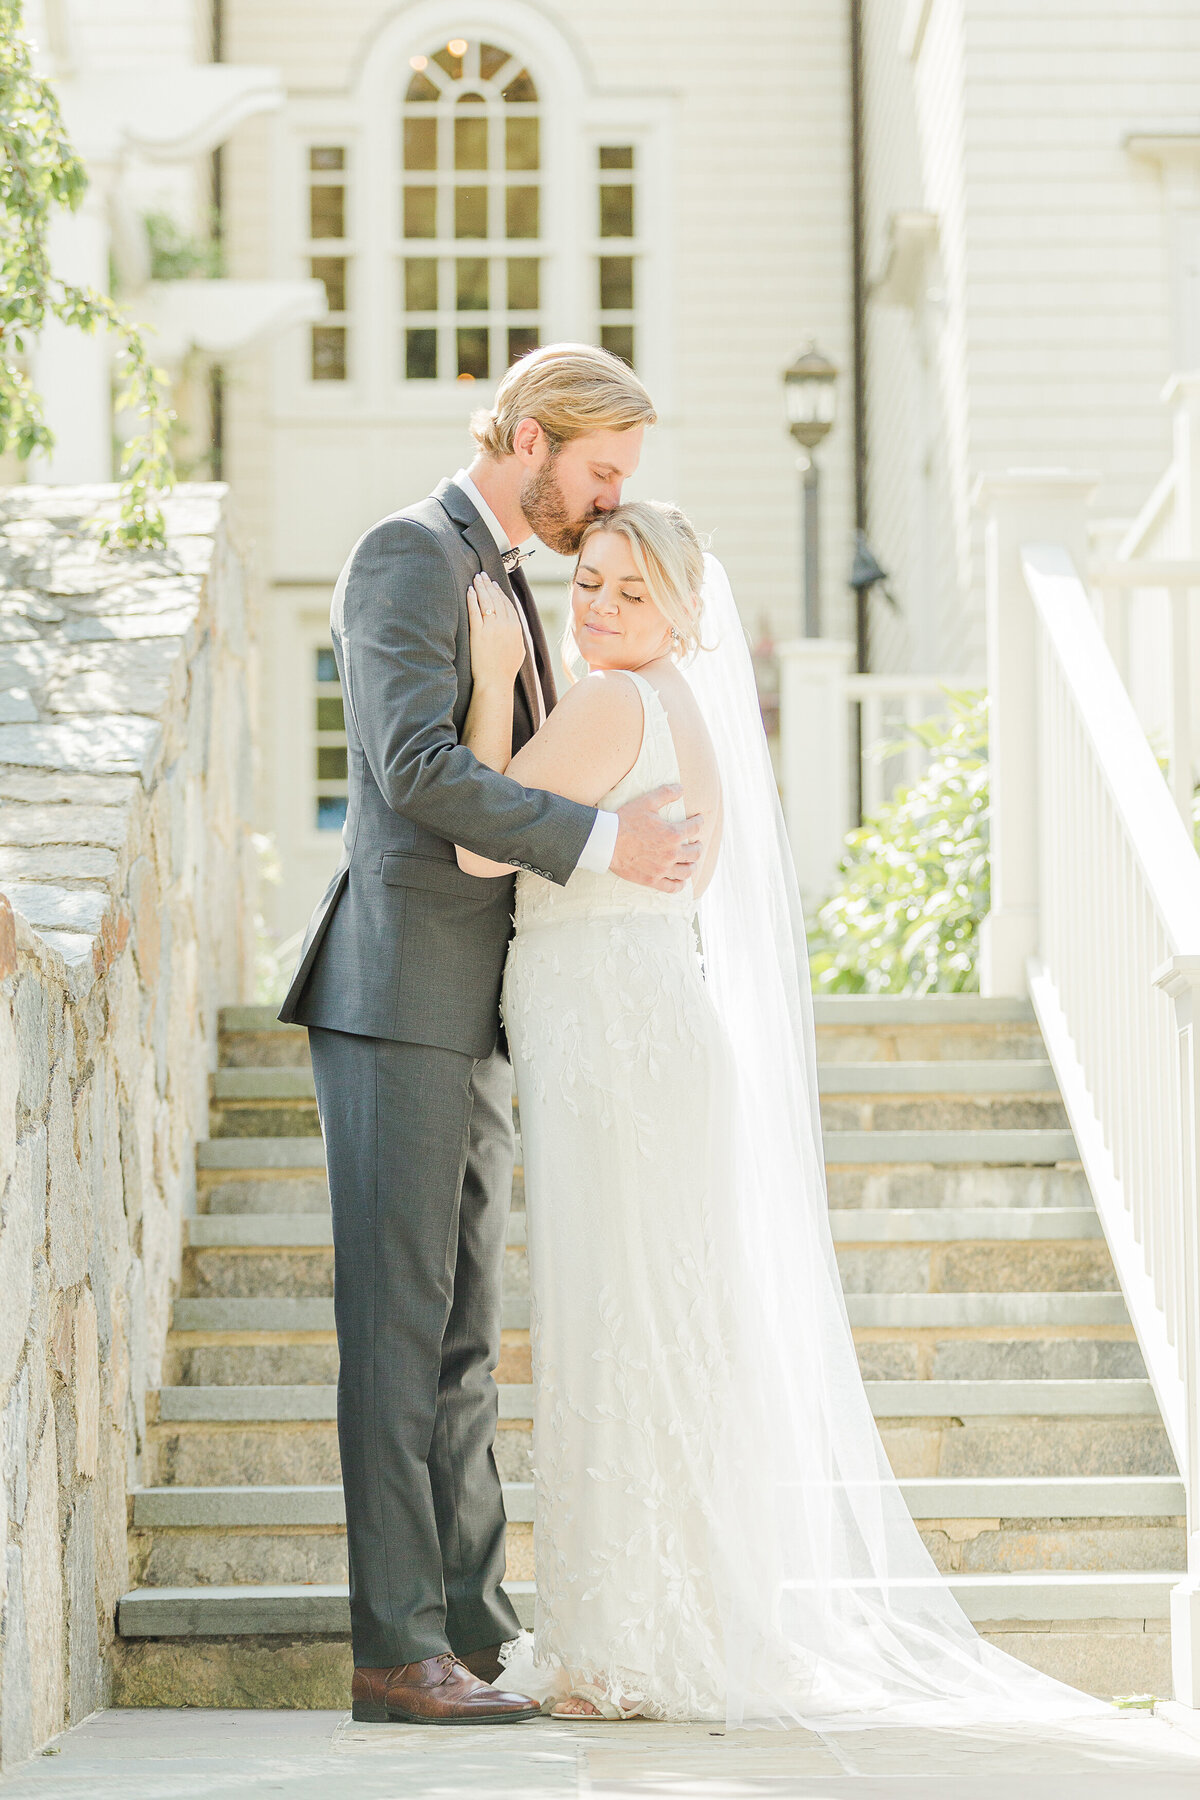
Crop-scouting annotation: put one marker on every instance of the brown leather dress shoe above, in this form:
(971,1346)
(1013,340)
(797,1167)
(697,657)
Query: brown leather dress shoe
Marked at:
(484,1664)
(437,1691)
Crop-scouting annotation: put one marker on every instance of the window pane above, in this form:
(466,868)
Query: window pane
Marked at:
(452,64)
(470,143)
(420,143)
(326,666)
(470,212)
(331,762)
(616,156)
(521,339)
(473,351)
(520,89)
(420,355)
(616,212)
(492,59)
(327,212)
(618,339)
(616,283)
(329,353)
(523,284)
(327,157)
(331,812)
(330,715)
(332,271)
(521,146)
(521,212)
(421,88)
(420,212)
(471,284)
(420,284)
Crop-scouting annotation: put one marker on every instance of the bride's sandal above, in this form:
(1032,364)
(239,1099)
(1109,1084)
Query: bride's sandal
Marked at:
(604,1707)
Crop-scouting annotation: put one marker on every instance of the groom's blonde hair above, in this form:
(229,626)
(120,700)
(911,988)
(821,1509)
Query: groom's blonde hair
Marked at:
(570,389)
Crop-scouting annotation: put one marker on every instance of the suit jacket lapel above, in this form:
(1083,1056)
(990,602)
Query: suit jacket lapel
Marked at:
(483,544)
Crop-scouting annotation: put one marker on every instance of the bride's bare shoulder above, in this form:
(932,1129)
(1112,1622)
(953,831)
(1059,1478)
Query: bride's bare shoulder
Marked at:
(603,697)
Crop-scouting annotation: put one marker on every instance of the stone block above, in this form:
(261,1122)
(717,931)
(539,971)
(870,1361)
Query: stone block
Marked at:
(54,908)
(109,744)
(70,1199)
(22,1222)
(85,1675)
(31,1023)
(14,1447)
(233,1672)
(41,1557)
(86,1387)
(57,862)
(17,707)
(116,677)
(211,1274)
(16,1676)
(67,787)
(237,1454)
(36,825)
(200,1558)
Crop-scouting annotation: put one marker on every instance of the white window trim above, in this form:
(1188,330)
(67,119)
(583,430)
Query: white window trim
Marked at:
(576,120)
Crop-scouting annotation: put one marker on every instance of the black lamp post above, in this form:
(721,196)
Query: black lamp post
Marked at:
(809,390)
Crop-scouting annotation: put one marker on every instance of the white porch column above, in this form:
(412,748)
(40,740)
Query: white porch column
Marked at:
(1024,506)
(72,368)
(814,735)
(1181,980)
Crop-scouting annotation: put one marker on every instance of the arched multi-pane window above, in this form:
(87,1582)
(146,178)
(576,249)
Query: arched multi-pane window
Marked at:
(470,207)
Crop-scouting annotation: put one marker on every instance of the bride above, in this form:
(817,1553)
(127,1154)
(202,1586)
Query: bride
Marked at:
(718,1534)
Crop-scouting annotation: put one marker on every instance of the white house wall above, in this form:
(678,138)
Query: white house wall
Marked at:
(1057,309)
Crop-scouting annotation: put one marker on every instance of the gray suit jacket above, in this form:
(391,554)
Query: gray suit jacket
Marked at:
(403,945)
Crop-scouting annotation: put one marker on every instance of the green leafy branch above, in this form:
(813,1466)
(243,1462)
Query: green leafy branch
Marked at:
(40,172)
(914,882)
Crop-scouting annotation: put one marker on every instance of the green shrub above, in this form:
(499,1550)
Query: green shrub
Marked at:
(913,884)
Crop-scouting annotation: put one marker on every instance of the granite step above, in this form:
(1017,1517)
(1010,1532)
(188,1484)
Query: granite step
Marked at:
(990,1077)
(909,1225)
(1006,1497)
(954,1354)
(989,1149)
(917,1312)
(248,1271)
(899,1097)
(214,1535)
(301,1446)
(889,1400)
(322,1608)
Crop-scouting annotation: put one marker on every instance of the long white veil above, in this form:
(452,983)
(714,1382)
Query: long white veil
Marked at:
(832,1609)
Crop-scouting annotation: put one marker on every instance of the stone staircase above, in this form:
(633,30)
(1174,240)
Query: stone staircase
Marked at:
(997,1350)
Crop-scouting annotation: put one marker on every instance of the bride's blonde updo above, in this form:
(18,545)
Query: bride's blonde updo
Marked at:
(669,556)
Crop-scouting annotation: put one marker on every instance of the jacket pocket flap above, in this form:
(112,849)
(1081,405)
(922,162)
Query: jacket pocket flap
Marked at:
(440,876)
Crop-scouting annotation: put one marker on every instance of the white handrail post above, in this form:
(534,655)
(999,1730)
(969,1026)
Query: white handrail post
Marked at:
(1180,978)
(814,742)
(1023,506)
(1182,394)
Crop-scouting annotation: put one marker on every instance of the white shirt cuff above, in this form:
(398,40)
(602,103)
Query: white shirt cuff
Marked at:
(601,845)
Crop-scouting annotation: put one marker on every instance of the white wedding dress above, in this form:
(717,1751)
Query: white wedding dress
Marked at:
(717,1532)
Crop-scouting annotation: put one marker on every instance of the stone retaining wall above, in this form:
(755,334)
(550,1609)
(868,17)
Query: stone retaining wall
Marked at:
(126,876)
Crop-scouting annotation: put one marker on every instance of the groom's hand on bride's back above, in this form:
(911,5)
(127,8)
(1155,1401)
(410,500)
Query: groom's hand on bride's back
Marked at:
(653,851)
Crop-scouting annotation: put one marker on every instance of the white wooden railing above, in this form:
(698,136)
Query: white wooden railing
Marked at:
(819,692)
(1096,912)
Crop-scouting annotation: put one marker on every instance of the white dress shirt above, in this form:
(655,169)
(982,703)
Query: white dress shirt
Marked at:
(597,853)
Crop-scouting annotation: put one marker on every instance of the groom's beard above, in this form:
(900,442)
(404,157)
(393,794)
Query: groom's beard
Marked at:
(543,505)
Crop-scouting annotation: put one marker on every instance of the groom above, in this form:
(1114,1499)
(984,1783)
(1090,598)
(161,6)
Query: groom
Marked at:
(399,984)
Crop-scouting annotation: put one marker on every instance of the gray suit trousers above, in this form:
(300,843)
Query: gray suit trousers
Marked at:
(419,1145)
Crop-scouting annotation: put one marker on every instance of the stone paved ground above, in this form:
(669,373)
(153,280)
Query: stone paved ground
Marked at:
(197,1755)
